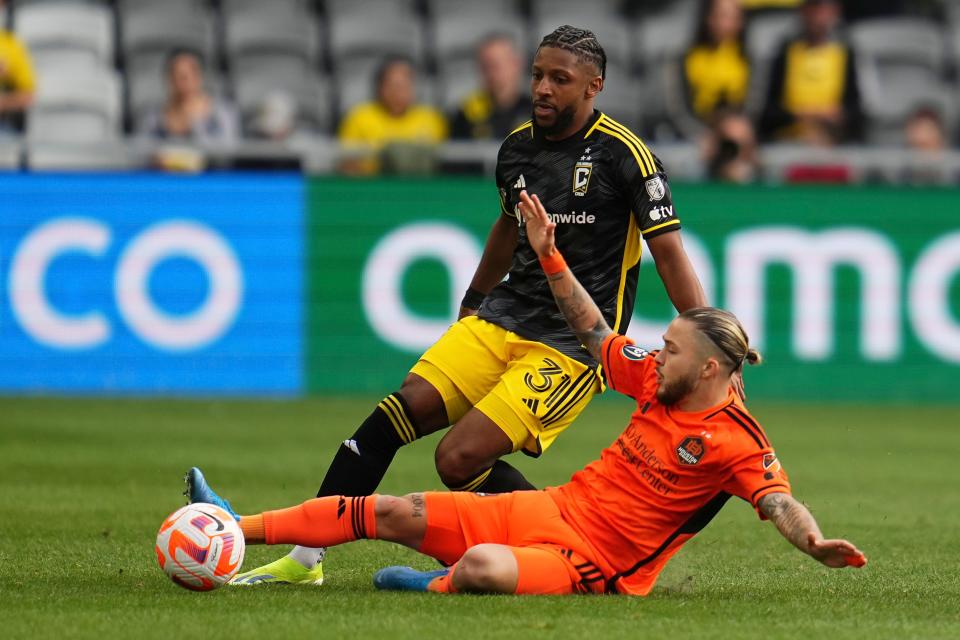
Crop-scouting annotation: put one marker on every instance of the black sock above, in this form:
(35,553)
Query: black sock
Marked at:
(500,478)
(362,461)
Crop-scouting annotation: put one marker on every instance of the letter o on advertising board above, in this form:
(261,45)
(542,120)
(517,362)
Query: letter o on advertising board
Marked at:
(929,299)
(383,275)
(178,238)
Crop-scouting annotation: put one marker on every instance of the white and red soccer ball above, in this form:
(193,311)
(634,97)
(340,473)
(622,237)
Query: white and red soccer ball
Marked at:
(200,546)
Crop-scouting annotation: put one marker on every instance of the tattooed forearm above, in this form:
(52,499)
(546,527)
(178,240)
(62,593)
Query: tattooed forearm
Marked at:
(580,310)
(419,504)
(791,518)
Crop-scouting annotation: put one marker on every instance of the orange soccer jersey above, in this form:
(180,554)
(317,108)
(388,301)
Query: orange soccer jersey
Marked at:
(666,476)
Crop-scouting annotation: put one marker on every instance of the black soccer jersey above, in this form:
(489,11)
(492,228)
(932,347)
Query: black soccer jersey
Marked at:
(605,190)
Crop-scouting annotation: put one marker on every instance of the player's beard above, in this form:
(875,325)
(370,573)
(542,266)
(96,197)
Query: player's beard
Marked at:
(676,390)
(560,124)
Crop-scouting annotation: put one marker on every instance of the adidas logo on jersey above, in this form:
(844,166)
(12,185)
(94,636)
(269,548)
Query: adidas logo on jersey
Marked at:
(521,183)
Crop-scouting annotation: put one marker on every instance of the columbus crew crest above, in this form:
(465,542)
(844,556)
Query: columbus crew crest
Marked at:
(581,177)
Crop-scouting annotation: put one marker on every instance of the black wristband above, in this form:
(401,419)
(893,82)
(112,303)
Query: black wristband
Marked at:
(472,299)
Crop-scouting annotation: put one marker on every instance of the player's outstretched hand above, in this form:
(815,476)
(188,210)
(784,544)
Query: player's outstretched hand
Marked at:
(835,553)
(539,227)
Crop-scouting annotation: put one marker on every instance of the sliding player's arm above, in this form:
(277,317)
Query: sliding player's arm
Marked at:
(575,303)
(494,264)
(796,524)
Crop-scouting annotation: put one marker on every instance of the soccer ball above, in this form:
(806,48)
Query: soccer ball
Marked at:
(200,546)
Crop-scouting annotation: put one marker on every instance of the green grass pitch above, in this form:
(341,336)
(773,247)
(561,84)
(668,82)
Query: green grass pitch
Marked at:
(84,484)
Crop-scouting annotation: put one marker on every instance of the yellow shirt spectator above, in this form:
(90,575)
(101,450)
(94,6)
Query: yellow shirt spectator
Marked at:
(16,70)
(391,118)
(716,76)
(372,125)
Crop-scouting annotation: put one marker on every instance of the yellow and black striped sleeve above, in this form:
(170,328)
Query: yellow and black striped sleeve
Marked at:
(643,179)
(504,189)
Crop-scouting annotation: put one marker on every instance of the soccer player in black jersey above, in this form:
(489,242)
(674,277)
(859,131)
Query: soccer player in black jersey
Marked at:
(510,375)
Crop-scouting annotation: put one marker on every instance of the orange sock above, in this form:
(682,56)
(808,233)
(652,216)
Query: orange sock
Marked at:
(321,522)
(252,528)
(443,584)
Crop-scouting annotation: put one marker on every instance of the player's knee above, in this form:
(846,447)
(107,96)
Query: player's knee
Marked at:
(425,403)
(457,464)
(390,509)
(485,569)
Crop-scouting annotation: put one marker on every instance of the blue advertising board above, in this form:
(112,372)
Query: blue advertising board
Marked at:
(146,284)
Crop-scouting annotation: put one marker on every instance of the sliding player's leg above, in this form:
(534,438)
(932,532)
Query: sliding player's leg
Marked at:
(497,568)
(358,467)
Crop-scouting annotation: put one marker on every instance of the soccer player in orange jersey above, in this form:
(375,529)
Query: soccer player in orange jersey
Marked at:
(690,445)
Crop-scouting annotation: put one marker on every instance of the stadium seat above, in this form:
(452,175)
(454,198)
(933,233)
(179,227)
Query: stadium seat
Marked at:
(286,8)
(255,76)
(899,42)
(76,107)
(660,40)
(457,36)
(457,78)
(620,98)
(765,35)
(370,9)
(154,30)
(385,31)
(125,7)
(99,156)
(661,36)
(69,26)
(290,34)
(10,151)
(507,9)
(901,66)
(542,10)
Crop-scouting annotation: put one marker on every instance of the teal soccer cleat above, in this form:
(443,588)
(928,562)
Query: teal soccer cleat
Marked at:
(405,578)
(199,491)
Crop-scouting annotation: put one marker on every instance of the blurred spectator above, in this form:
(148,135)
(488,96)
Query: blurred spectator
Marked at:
(730,148)
(276,117)
(716,69)
(924,131)
(814,94)
(391,119)
(17,79)
(191,114)
(495,110)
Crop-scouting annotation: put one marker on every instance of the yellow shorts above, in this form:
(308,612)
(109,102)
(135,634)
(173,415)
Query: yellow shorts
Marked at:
(531,391)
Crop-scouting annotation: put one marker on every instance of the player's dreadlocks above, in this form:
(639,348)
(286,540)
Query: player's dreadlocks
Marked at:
(581,43)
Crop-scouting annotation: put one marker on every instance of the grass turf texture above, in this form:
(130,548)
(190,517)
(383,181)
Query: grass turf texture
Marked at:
(84,484)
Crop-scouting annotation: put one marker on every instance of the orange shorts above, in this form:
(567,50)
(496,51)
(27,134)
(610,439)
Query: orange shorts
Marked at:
(528,521)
